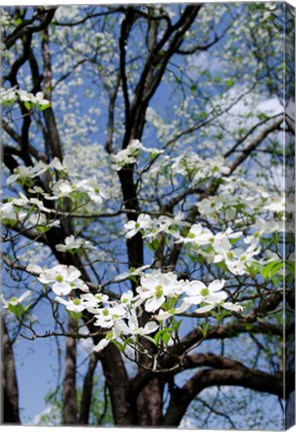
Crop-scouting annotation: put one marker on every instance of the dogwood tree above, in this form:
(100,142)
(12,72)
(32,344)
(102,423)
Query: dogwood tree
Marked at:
(147,209)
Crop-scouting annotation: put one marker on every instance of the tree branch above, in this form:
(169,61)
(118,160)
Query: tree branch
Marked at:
(242,377)
(247,151)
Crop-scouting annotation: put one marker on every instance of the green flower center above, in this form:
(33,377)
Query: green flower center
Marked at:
(109,336)
(97,190)
(124,300)
(76,302)
(212,240)
(191,235)
(137,225)
(230,254)
(105,312)
(158,291)
(73,186)
(59,278)
(243,258)
(204,292)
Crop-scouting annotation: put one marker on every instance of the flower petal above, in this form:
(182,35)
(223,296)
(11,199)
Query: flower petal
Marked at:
(216,285)
(216,297)
(193,300)
(150,327)
(154,303)
(61,288)
(101,345)
(205,309)
(232,306)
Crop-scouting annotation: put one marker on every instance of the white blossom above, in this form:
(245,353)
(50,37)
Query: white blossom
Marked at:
(155,287)
(14,301)
(133,227)
(64,278)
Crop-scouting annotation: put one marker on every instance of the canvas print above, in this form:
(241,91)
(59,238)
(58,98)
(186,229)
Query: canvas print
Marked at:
(148,215)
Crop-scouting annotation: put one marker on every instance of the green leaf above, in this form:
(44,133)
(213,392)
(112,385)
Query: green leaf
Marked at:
(17,310)
(75,315)
(229,83)
(203,329)
(43,229)
(262,116)
(44,107)
(127,342)
(175,324)
(154,245)
(119,345)
(164,334)
(28,105)
(271,268)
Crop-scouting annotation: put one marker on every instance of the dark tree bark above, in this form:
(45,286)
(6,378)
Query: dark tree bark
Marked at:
(118,384)
(87,389)
(10,408)
(150,404)
(70,397)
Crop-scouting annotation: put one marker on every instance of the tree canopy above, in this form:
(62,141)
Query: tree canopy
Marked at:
(148,186)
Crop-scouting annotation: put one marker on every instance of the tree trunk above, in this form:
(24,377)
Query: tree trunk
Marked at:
(87,389)
(70,400)
(149,404)
(10,409)
(118,384)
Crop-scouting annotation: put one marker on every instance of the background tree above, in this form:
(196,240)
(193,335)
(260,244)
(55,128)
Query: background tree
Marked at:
(143,152)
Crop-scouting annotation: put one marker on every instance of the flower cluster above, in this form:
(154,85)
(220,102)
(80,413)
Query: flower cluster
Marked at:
(14,304)
(238,200)
(161,294)
(32,210)
(198,169)
(71,244)
(151,227)
(129,155)
(66,188)
(8,96)
(14,301)
(220,247)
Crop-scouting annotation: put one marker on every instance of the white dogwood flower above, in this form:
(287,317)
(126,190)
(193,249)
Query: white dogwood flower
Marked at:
(155,287)
(62,277)
(132,272)
(73,305)
(70,243)
(27,172)
(108,316)
(133,227)
(14,301)
(132,328)
(198,292)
